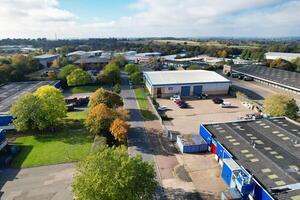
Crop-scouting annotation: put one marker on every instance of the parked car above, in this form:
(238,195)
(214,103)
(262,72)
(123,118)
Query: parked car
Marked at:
(225,105)
(218,100)
(175,97)
(162,108)
(179,101)
(202,96)
(183,105)
(234,75)
(248,78)
(241,76)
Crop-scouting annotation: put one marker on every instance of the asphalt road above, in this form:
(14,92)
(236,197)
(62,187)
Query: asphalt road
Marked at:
(138,141)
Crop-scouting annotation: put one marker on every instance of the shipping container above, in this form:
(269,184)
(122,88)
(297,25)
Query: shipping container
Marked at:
(191,144)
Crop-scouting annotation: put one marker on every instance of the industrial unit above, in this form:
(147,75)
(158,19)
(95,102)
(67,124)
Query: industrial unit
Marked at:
(278,78)
(46,60)
(259,158)
(185,83)
(284,56)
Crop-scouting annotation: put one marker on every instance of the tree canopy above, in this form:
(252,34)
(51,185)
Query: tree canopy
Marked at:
(40,110)
(131,68)
(281,105)
(99,119)
(65,71)
(136,78)
(111,74)
(110,99)
(78,77)
(111,174)
(119,129)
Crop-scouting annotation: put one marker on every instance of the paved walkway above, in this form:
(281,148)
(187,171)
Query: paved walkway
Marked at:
(39,183)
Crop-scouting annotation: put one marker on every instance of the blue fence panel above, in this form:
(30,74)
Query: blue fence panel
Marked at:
(58,84)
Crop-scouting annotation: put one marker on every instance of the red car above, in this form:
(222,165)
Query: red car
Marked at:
(178,102)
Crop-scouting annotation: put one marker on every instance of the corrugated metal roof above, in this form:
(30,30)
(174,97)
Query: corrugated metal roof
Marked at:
(183,77)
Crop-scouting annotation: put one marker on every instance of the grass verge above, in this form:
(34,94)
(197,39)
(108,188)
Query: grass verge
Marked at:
(144,104)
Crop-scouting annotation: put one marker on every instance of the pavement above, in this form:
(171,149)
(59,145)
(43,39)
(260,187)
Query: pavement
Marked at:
(51,182)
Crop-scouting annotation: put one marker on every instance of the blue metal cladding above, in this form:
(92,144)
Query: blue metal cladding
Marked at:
(226,174)
(185,91)
(206,135)
(197,90)
(260,193)
(2,135)
(5,120)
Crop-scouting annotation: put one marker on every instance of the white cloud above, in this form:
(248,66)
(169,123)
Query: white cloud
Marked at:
(43,18)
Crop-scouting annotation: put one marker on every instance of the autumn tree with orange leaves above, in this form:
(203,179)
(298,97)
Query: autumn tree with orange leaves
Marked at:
(119,129)
(99,119)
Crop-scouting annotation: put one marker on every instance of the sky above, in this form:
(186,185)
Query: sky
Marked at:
(148,18)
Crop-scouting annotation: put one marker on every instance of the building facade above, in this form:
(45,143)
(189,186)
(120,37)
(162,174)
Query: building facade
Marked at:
(186,83)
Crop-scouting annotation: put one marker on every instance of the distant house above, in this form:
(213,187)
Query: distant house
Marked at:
(142,57)
(284,56)
(46,60)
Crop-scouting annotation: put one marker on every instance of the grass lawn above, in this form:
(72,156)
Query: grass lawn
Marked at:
(69,143)
(86,88)
(52,148)
(78,115)
(144,104)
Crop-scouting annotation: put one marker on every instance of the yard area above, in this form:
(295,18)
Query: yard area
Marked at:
(201,111)
(68,144)
(143,102)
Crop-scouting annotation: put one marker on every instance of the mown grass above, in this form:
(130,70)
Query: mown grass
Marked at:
(143,102)
(69,143)
(87,88)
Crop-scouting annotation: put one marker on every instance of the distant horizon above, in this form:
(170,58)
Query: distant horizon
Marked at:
(149,18)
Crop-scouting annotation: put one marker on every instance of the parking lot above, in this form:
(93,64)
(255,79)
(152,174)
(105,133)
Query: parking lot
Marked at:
(187,120)
(10,92)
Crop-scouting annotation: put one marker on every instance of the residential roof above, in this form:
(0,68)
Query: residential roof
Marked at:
(284,77)
(184,77)
(46,56)
(269,149)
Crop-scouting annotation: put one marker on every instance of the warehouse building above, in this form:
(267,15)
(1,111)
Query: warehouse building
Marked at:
(282,79)
(185,83)
(46,60)
(284,56)
(260,158)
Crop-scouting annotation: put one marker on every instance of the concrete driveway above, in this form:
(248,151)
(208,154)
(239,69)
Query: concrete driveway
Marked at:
(39,183)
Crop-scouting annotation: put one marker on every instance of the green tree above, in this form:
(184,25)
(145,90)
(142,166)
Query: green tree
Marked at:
(296,63)
(194,67)
(78,77)
(119,60)
(40,110)
(53,104)
(99,119)
(136,78)
(110,99)
(281,105)
(66,71)
(29,113)
(111,174)
(111,74)
(131,68)
(117,88)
